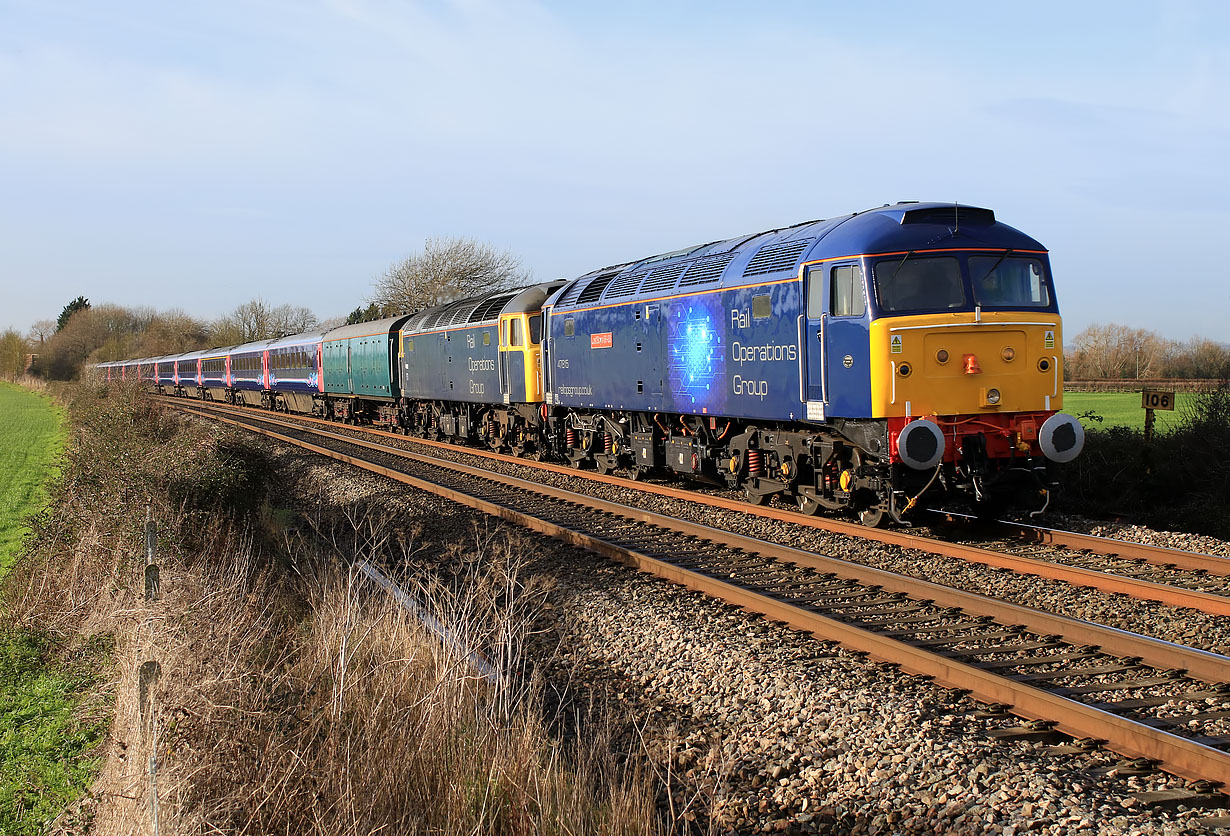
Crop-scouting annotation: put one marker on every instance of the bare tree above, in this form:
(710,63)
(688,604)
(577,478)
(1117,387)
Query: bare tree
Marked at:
(41,331)
(1116,352)
(256,320)
(447,269)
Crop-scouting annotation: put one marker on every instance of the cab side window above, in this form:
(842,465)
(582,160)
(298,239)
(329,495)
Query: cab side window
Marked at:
(846,291)
(518,334)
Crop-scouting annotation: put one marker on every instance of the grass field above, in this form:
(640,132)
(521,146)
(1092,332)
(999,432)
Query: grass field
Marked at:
(47,735)
(31,435)
(1119,409)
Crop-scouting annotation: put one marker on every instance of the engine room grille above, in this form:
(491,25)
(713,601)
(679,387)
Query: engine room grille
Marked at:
(593,290)
(574,290)
(461,313)
(706,270)
(774,258)
(663,278)
(625,285)
(491,308)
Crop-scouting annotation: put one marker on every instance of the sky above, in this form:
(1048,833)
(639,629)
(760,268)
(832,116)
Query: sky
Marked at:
(195,155)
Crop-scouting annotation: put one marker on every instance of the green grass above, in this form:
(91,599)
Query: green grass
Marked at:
(48,736)
(47,749)
(31,437)
(1120,409)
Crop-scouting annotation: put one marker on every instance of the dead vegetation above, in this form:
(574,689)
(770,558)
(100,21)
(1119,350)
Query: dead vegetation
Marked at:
(293,695)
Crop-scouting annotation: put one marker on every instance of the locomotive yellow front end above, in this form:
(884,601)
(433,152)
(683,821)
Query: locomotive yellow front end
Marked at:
(967,371)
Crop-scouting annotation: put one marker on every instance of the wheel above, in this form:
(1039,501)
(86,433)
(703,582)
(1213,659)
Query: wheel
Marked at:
(755,498)
(874,517)
(637,474)
(807,505)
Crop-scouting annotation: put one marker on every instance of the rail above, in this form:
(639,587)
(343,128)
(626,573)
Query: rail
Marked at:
(601,528)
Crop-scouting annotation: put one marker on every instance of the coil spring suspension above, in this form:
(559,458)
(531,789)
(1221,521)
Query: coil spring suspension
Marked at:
(570,437)
(608,442)
(755,462)
(492,428)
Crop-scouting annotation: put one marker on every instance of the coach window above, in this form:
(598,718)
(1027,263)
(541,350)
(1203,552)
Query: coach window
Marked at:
(846,292)
(518,335)
(535,329)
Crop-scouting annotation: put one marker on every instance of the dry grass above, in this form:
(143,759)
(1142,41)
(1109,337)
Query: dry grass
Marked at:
(356,720)
(295,696)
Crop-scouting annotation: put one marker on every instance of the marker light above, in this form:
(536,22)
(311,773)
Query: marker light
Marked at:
(941,356)
(1009,354)
(971,364)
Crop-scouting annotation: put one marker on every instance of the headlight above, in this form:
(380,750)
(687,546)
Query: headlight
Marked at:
(992,396)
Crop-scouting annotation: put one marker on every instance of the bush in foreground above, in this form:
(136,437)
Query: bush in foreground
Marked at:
(1180,481)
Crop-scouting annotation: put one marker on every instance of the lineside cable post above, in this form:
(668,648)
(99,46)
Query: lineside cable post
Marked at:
(150,671)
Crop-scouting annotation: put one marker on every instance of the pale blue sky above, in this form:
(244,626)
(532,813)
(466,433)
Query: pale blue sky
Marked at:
(196,155)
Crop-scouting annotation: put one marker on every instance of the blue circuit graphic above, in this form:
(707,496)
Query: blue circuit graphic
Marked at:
(696,355)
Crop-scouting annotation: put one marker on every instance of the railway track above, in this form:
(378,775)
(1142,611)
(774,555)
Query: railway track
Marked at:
(1168,576)
(1142,697)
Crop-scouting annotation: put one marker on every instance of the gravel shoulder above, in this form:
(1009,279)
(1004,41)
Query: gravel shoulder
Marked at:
(762,729)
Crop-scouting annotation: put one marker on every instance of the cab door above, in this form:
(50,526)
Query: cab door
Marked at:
(813,334)
(512,358)
(838,351)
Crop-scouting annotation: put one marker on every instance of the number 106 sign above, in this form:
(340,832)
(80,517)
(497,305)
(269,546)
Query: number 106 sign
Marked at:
(1157,399)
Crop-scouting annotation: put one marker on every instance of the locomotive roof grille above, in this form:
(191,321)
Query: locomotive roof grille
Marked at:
(774,258)
(593,290)
(462,312)
(663,278)
(491,308)
(573,291)
(413,323)
(706,270)
(433,318)
(952,216)
(625,285)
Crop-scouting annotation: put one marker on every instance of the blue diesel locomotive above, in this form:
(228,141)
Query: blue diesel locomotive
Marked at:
(875,363)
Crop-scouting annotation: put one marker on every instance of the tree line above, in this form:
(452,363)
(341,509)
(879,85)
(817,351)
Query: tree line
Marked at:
(1120,352)
(447,269)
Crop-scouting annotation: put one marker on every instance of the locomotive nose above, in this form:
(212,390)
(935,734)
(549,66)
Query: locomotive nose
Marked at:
(1061,438)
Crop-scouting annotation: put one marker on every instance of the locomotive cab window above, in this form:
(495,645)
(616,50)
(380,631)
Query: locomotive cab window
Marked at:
(913,283)
(518,333)
(535,329)
(846,291)
(1008,282)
